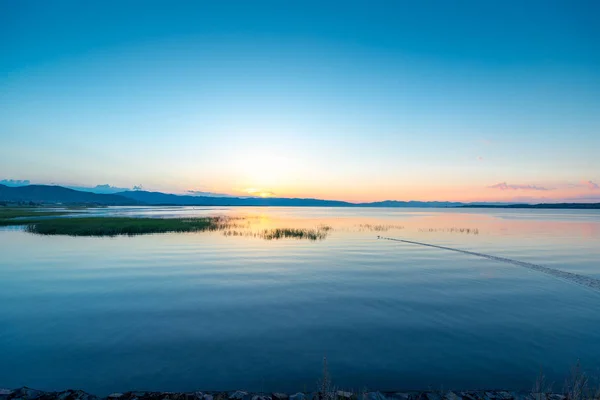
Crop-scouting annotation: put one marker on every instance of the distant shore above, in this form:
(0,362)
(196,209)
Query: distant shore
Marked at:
(48,195)
(32,394)
(549,206)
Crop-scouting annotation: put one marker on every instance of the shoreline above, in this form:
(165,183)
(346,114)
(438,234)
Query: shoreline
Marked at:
(26,393)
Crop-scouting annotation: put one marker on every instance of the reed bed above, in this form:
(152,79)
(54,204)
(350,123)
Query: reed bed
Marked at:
(468,231)
(378,227)
(318,233)
(114,226)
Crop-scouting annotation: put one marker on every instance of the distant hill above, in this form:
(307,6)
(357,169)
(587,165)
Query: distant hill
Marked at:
(158,198)
(582,206)
(424,204)
(58,194)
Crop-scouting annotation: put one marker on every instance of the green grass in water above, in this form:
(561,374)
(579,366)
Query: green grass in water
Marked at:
(113,226)
(285,233)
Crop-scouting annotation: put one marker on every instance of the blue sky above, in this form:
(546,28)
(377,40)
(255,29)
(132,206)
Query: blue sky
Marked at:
(372,100)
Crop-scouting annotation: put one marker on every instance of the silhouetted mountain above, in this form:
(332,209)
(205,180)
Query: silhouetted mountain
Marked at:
(100,189)
(158,198)
(425,204)
(586,206)
(59,194)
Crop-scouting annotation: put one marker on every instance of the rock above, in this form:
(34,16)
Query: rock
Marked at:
(261,397)
(433,396)
(490,395)
(27,393)
(374,396)
(238,395)
(523,396)
(208,397)
(5,392)
(452,396)
(115,395)
(63,395)
(280,396)
(469,395)
(344,395)
(298,396)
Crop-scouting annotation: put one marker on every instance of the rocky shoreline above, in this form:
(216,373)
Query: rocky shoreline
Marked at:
(32,394)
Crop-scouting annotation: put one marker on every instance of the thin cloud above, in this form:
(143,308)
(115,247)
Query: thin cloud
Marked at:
(591,185)
(101,189)
(206,194)
(505,186)
(197,192)
(109,187)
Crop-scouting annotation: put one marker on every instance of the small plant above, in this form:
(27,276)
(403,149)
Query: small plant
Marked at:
(541,389)
(326,391)
(467,231)
(577,384)
(378,228)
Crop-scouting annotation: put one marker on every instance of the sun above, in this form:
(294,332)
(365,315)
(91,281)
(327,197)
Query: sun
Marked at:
(258,192)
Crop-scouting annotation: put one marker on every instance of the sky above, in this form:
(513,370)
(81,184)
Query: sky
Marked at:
(350,100)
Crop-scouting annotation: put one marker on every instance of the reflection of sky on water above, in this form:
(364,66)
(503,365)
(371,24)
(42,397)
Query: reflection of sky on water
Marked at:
(183,311)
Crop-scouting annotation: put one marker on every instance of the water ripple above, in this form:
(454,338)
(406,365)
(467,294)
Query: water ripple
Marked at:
(576,278)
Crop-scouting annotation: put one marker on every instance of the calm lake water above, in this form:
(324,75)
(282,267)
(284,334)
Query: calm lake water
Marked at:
(207,311)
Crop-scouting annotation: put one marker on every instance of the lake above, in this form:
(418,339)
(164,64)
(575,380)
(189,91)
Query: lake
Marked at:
(210,311)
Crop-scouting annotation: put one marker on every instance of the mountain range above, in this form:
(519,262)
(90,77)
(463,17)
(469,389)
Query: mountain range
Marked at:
(48,194)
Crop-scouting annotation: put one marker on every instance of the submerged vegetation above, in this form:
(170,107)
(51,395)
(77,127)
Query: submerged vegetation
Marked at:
(378,227)
(319,233)
(283,233)
(474,231)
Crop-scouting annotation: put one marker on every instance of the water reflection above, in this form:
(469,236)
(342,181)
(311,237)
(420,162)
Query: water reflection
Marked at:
(205,310)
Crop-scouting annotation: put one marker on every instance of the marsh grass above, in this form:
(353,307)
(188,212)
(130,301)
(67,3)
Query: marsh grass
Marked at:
(378,228)
(578,386)
(319,233)
(541,388)
(127,226)
(468,231)
(114,226)
(326,390)
(294,233)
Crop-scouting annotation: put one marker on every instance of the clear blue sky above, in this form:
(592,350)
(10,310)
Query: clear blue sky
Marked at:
(365,100)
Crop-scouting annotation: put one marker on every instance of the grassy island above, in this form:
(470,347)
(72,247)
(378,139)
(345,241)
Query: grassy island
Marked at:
(55,223)
(113,226)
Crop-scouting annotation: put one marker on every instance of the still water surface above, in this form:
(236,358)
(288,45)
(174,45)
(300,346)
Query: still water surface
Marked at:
(209,311)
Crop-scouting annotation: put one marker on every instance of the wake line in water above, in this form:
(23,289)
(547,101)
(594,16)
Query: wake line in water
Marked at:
(576,278)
